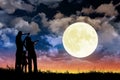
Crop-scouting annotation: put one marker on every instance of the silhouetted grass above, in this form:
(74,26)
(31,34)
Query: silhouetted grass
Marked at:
(6,74)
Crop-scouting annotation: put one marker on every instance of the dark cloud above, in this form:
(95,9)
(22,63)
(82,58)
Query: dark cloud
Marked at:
(10,6)
(5,18)
(49,3)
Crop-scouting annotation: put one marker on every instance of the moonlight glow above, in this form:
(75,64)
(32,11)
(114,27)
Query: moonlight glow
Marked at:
(80,39)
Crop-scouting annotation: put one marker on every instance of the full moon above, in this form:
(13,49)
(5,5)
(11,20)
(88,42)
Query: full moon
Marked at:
(80,39)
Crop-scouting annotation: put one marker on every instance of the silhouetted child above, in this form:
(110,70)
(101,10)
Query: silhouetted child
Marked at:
(32,58)
(31,55)
(24,61)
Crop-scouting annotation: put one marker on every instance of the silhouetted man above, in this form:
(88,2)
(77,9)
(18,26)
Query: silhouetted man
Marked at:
(19,51)
(31,54)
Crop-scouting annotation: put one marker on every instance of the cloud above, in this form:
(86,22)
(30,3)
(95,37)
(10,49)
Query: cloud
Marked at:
(75,1)
(6,41)
(1,59)
(5,18)
(58,15)
(108,33)
(9,31)
(52,52)
(43,58)
(108,9)
(49,3)
(102,25)
(25,26)
(10,6)
(54,41)
(116,26)
(53,55)
(87,10)
(111,58)
(59,25)
(44,20)
(1,25)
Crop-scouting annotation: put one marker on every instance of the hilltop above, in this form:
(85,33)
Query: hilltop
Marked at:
(6,74)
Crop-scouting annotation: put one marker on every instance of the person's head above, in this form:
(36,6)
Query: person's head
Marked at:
(20,33)
(28,39)
(28,34)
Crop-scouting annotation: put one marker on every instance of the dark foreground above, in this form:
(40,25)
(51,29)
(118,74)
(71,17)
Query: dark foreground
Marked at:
(12,75)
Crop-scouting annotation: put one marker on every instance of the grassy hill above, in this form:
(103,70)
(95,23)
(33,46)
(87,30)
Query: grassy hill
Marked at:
(6,74)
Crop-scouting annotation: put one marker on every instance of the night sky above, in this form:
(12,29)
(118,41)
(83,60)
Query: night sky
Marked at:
(46,20)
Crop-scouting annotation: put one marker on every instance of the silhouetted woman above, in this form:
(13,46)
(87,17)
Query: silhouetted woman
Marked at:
(19,51)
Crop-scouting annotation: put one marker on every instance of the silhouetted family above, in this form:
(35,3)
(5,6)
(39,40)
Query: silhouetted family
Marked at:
(25,57)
